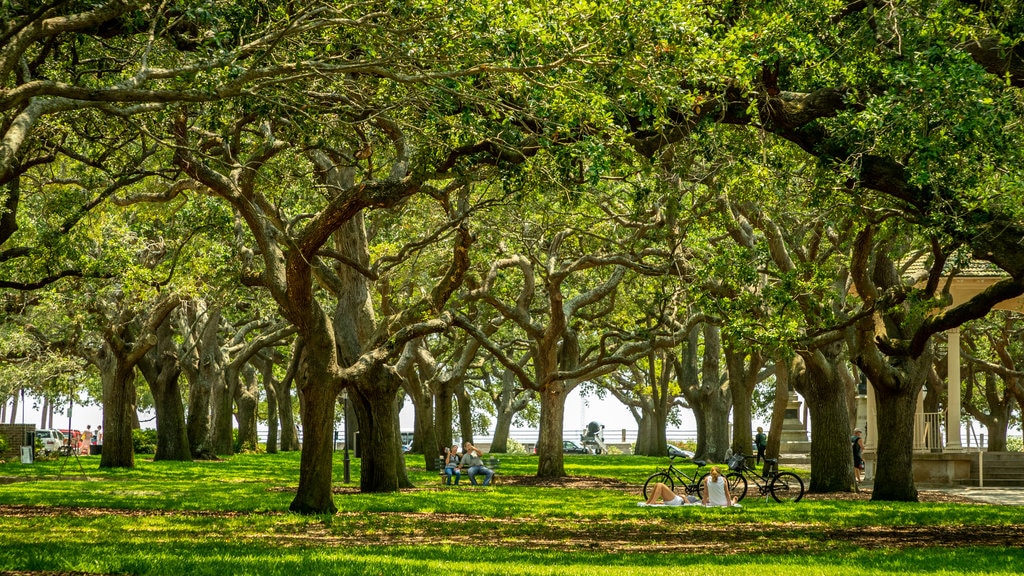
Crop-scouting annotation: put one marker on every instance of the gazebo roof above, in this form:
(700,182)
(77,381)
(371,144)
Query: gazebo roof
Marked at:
(968,281)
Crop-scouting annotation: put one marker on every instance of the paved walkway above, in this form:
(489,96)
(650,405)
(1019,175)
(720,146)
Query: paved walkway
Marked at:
(1013,496)
(993,495)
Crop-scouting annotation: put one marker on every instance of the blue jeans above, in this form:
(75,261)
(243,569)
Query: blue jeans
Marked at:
(449,472)
(475,471)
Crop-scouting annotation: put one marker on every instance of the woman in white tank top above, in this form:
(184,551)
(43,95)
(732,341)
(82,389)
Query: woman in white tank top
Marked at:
(716,489)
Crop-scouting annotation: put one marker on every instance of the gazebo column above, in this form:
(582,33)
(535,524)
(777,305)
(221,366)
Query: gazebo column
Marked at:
(953,443)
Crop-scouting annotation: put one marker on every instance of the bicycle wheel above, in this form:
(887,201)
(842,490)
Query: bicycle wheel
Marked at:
(700,486)
(653,479)
(737,485)
(787,487)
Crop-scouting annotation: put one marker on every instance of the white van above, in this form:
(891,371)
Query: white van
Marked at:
(52,440)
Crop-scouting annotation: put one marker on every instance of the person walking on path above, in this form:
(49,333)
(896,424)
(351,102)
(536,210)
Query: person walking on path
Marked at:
(858,455)
(87,439)
(761,442)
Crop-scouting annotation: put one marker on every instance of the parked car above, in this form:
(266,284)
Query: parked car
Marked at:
(678,452)
(570,447)
(52,439)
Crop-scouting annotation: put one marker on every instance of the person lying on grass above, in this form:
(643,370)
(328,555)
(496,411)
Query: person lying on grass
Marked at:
(662,495)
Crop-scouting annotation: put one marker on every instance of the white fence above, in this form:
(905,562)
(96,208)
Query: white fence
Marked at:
(528,436)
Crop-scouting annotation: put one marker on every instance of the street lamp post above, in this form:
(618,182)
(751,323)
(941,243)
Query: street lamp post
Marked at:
(344,431)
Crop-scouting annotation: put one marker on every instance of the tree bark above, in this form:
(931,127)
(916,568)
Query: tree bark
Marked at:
(270,389)
(550,451)
(742,380)
(247,399)
(119,405)
(819,381)
(314,495)
(465,413)
(444,414)
(894,478)
(710,400)
(783,376)
(162,371)
(209,375)
(222,411)
(654,407)
(373,401)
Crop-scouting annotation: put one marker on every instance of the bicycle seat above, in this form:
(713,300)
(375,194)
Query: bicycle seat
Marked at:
(699,463)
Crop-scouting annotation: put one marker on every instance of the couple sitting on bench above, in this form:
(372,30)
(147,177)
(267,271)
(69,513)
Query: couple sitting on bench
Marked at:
(471,459)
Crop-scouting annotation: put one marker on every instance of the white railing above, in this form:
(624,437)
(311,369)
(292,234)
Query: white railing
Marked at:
(929,428)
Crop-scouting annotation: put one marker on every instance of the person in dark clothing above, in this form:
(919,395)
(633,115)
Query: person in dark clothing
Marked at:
(761,442)
(858,451)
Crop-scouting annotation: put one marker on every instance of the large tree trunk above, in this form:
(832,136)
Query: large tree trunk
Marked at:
(711,400)
(713,419)
(424,434)
(742,380)
(171,431)
(502,427)
(465,413)
(444,414)
(285,405)
(223,411)
(510,401)
(270,389)
(398,401)
(119,402)
(314,495)
(373,401)
(551,462)
(654,407)
(783,376)
(247,398)
(162,371)
(894,478)
(209,376)
(650,437)
(823,387)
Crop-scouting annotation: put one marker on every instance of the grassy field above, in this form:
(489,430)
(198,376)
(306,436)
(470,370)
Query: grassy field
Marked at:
(230,517)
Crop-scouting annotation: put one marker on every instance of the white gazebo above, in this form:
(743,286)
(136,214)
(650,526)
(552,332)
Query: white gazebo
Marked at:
(936,461)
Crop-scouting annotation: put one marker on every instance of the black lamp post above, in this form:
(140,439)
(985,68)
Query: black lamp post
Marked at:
(344,431)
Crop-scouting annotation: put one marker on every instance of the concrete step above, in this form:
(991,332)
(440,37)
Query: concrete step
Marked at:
(1000,483)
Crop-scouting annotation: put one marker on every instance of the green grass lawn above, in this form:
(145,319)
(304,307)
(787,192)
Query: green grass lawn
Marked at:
(230,517)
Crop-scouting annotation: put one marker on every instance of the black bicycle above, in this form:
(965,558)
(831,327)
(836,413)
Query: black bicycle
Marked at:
(673,476)
(782,486)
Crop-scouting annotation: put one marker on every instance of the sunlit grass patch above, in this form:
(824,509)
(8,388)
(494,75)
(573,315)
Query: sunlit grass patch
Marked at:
(231,516)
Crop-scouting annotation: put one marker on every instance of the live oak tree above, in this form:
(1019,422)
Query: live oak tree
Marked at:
(895,101)
(704,386)
(557,284)
(367,160)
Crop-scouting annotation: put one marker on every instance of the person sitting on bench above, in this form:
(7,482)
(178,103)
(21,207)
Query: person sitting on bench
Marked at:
(471,457)
(451,465)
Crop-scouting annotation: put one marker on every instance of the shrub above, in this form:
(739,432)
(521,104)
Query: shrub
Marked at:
(144,441)
(514,447)
(1015,444)
(4,446)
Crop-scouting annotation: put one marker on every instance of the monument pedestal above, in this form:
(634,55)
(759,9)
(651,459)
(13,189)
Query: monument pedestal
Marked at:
(794,432)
